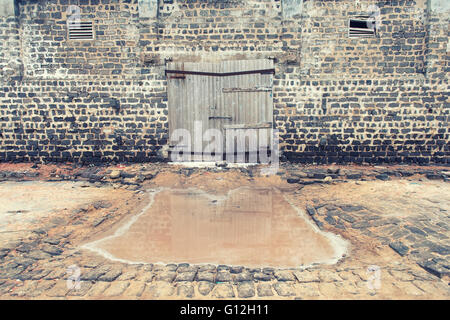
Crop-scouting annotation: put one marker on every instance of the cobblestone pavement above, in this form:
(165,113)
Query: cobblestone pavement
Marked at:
(392,256)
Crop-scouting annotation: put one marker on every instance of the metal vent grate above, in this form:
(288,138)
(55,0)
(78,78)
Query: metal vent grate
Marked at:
(80,30)
(362,27)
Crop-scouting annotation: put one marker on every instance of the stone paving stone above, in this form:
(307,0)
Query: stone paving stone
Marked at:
(223,290)
(135,289)
(401,275)
(145,276)
(426,286)
(11,272)
(95,273)
(98,288)
(85,286)
(38,255)
(347,217)
(6,288)
(284,289)
(167,276)
(224,276)
(236,269)
(51,250)
(328,289)
(264,289)
(92,262)
(329,276)
(351,208)
(409,288)
(415,230)
(116,288)
(186,268)
(25,248)
(24,274)
(348,287)
(262,276)
(57,274)
(159,289)
(361,225)
(112,274)
(23,261)
(207,267)
(204,287)
(283,275)
(185,276)
(26,289)
(58,290)
(38,274)
(397,234)
(399,247)
(362,274)
(246,289)
(443,287)
(128,275)
(244,276)
(348,275)
(185,290)
(170,267)
(435,268)
(422,275)
(223,267)
(268,270)
(307,276)
(206,276)
(307,289)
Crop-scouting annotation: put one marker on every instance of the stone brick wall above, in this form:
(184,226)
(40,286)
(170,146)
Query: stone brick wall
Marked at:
(382,99)
(11,65)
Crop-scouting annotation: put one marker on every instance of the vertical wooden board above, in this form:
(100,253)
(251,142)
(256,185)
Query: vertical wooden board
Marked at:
(195,109)
(244,105)
(208,86)
(176,104)
(223,103)
(204,104)
(187,118)
(220,102)
(230,101)
(226,104)
(266,113)
(172,100)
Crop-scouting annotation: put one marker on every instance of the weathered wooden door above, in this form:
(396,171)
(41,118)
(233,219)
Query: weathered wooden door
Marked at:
(232,97)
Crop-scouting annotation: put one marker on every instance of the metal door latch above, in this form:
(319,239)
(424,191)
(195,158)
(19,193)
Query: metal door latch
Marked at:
(221,117)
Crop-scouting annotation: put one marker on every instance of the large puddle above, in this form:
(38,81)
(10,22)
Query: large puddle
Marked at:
(249,226)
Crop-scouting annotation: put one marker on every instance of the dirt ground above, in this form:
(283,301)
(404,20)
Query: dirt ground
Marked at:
(161,231)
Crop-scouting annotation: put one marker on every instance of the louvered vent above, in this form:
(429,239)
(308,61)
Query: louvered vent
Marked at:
(80,30)
(362,27)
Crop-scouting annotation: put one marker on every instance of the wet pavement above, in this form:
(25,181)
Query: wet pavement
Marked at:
(255,227)
(164,232)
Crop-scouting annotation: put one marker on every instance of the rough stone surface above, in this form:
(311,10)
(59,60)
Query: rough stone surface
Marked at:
(204,288)
(284,289)
(264,289)
(88,105)
(223,290)
(246,289)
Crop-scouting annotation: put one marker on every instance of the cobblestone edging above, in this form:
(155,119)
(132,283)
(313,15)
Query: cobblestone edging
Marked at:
(100,279)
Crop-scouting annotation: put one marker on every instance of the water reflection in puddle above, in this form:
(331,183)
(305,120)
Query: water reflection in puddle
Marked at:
(249,226)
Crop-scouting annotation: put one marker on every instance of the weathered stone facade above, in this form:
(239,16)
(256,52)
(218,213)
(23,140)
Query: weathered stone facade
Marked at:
(336,99)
